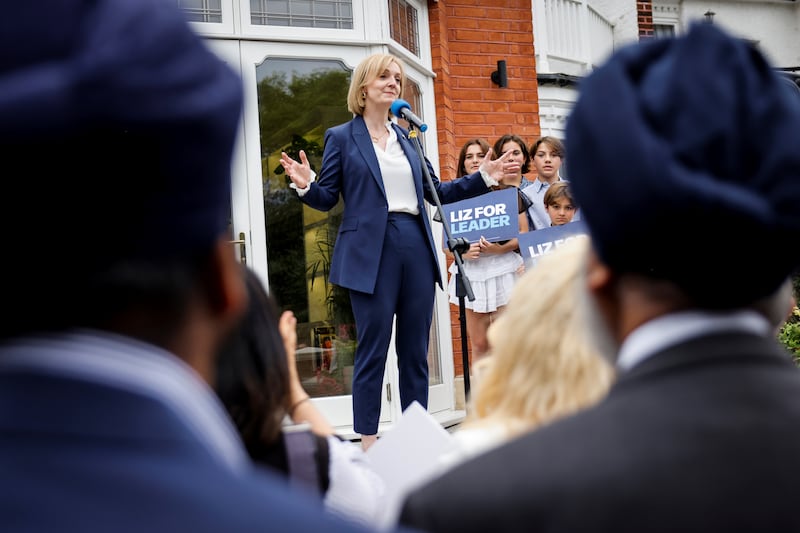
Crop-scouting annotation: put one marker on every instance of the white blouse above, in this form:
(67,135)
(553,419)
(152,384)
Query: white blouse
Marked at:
(398,181)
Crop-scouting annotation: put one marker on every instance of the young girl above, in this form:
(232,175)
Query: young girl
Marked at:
(492,268)
(517,164)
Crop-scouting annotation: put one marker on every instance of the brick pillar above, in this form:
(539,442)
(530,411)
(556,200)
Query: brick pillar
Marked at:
(644,15)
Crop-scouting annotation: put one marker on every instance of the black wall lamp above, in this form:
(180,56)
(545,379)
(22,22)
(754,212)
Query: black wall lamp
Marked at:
(709,16)
(500,76)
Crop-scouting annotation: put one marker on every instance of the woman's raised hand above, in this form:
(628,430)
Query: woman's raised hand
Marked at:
(299,173)
(287,326)
(494,167)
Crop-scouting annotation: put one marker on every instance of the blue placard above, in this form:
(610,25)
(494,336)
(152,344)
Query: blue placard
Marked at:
(535,244)
(493,216)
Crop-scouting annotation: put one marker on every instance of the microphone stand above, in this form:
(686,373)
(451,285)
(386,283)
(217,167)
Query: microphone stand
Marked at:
(458,247)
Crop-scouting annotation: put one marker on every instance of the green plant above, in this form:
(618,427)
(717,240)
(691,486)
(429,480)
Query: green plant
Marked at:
(337,298)
(789,335)
(321,266)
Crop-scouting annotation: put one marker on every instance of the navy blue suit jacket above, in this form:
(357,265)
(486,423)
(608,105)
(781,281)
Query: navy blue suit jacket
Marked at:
(80,456)
(350,168)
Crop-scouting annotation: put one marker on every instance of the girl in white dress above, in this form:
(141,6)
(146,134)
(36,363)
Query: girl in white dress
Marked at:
(492,268)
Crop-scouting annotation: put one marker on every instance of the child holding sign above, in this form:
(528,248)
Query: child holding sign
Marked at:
(492,268)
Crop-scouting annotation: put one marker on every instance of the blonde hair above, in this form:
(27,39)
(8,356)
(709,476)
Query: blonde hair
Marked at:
(542,366)
(366,72)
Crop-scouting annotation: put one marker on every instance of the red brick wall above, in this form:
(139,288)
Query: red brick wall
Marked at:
(644,15)
(468,37)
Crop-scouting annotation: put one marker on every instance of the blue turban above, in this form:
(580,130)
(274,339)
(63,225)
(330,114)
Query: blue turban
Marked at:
(685,160)
(120,124)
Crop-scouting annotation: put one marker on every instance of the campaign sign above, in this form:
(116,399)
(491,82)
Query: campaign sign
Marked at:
(535,244)
(493,216)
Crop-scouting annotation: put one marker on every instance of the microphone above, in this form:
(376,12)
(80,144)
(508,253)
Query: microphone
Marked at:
(401,108)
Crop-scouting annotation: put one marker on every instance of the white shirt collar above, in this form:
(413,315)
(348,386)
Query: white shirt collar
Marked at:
(671,329)
(141,368)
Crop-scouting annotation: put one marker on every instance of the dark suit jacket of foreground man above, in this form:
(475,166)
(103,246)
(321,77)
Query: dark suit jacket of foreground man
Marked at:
(709,427)
(98,457)
(701,431)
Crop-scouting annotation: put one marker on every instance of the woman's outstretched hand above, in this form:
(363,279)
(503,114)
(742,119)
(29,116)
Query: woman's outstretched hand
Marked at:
(496,168)
(299,173)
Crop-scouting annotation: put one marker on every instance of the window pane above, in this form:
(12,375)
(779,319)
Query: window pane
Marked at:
(336,14)
(411,94)
(664,30)
(298,101)
(302,7)
(202,10)
(403,24)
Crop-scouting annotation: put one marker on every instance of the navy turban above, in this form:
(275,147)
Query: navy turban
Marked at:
(685,160)
(117,127)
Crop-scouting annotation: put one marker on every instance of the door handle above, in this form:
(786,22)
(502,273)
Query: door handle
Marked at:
(242,247)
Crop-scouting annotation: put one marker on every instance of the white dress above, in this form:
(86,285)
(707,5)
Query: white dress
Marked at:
(491,276)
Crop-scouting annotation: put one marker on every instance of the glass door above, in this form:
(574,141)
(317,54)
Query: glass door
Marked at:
(296,96)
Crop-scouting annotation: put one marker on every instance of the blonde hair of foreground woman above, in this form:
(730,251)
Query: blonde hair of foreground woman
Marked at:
(543,364)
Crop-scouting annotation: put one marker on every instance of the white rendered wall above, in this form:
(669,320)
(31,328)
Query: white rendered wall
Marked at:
(621,13)
(774,25)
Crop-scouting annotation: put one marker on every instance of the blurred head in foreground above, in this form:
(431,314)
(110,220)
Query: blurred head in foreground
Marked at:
(711,209)
(543,363)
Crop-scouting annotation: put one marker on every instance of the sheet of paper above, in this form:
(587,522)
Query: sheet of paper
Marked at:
(407,455)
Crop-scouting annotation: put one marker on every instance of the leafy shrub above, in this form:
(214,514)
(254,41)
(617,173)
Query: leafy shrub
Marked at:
(789,334)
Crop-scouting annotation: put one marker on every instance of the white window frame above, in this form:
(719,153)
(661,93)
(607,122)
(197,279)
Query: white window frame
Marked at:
(226,27)
(303,34)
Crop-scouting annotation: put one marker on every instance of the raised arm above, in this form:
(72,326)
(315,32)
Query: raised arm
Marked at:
(301,408)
